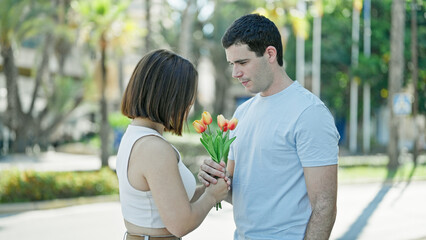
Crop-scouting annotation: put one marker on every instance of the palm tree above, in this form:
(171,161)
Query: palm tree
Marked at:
(11,20)
(20,20)
(101,18)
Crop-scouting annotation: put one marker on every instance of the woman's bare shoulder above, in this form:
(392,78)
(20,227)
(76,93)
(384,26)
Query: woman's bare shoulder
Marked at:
(154,149)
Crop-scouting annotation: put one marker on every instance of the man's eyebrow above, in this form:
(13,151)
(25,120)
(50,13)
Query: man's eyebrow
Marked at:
(239,61)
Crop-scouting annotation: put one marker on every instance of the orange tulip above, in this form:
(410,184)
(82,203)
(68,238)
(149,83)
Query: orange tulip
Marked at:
(207,118)
(221,121)
(199,126)
(232,124)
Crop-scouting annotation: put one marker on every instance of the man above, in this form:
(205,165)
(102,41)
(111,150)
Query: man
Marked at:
(284,159)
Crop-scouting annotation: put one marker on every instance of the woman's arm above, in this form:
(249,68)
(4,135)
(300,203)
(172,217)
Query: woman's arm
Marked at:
(161,172)
(210,171)
(198,192)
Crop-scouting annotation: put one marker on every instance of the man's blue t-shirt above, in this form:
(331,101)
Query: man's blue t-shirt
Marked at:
(277,136)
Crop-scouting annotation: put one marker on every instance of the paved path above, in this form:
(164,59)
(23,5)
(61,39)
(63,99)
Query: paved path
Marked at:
(365,211)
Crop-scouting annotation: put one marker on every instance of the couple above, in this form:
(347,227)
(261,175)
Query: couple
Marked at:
(282,168)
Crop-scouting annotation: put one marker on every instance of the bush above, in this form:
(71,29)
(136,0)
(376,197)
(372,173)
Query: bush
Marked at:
(25,186)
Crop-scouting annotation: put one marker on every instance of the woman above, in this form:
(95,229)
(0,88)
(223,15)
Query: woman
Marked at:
(158,196)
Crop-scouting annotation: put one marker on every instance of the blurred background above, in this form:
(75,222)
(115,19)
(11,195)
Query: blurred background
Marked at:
(64,65)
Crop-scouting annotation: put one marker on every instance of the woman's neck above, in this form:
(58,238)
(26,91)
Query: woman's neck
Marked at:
(144,122)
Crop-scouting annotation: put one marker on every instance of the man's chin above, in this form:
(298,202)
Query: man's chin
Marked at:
(251,90)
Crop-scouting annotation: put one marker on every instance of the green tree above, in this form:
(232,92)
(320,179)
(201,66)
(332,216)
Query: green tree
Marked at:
(110,30)
(19,21)
(224,15)
(194,33)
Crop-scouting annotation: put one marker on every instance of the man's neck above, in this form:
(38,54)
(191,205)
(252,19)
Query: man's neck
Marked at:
(281,82)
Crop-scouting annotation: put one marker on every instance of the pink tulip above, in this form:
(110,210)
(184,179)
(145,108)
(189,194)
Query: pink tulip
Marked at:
(232,124)
(207,118)
(221,121)
(199,126)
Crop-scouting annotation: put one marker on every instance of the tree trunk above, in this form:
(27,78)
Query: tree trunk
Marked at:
(185,39)
(33,134)
(300,47)
(44,65)
(14,107)
(414,75)
(43,135)
(222,81)
(14,119)
(353,112)
(104,126)
(316,49)
(23,139)
(396,74)
(367,87)
(148,25)
(316,57)
(62,44)
(221,86)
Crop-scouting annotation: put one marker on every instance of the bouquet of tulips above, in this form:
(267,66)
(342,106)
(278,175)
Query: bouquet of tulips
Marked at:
(217,144)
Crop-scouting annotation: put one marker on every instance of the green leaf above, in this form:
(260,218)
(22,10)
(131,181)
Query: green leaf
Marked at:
(226,137)
(204,144)
(220,147)
(226,149)
(219,132)
(217,147)
(207,142)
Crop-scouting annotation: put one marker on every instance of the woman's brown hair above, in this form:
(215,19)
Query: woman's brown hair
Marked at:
(162,88)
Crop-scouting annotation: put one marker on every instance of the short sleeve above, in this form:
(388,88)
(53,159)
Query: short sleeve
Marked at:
(316,137)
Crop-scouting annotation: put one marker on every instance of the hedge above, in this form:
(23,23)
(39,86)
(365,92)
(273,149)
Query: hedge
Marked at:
(29,185)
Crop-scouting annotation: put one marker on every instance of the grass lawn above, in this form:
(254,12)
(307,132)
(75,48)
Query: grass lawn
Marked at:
(375,170)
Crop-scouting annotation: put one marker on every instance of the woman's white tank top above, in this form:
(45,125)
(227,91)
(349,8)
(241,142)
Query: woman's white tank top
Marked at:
(137,206)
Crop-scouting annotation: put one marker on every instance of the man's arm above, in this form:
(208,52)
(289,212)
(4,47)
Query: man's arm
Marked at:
(321,183)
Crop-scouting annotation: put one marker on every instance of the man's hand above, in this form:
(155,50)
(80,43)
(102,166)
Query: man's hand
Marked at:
(210,170)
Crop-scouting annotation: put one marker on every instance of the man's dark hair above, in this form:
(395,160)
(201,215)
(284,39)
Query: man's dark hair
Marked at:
(258,32)
(162,88)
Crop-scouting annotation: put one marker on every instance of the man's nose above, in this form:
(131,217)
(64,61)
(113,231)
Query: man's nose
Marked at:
(236,72)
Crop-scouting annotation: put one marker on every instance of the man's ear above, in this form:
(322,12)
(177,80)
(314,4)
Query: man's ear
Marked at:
(271,53)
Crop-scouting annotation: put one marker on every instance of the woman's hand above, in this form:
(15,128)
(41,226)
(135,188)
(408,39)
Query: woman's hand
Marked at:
(218,191)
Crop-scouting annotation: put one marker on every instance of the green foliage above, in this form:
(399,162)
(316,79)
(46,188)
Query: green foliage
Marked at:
(24,186)
(99,16)
(11,13)
(18,21)
(336,66)
(118,121)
